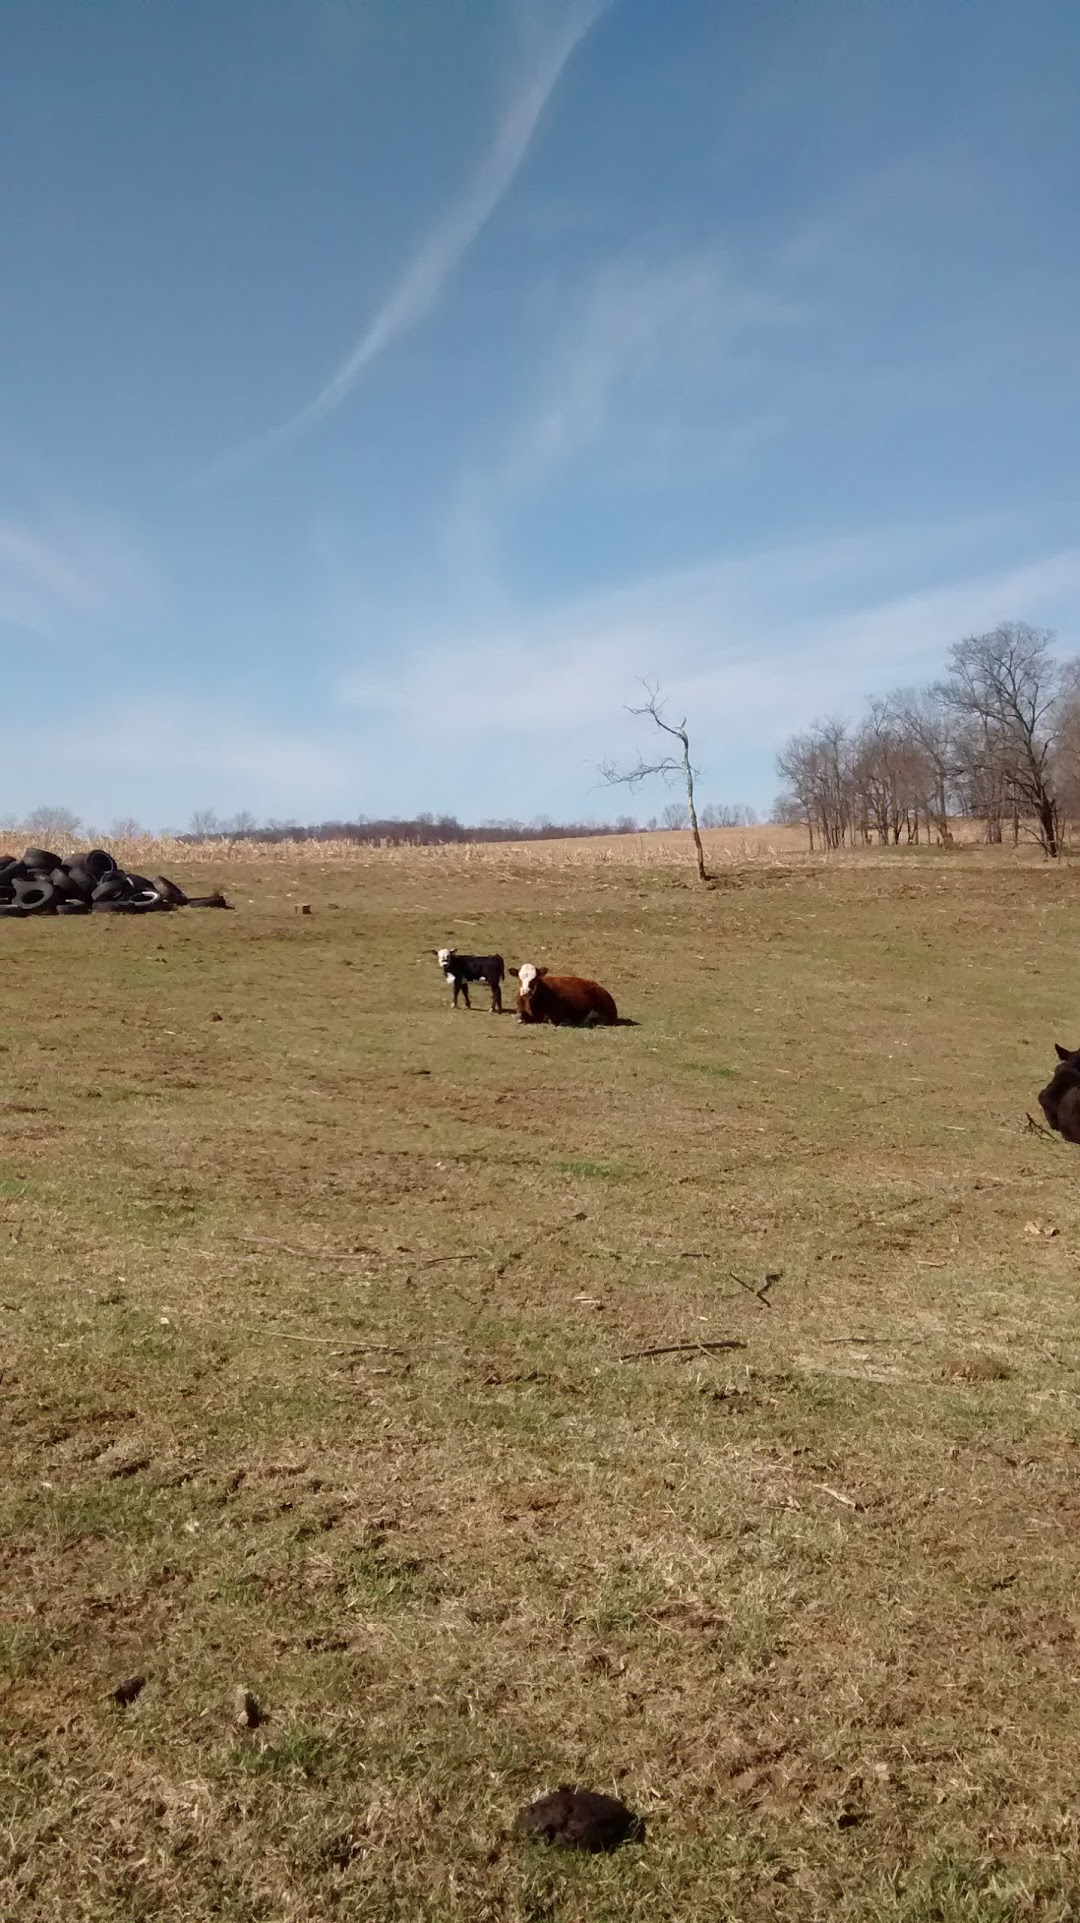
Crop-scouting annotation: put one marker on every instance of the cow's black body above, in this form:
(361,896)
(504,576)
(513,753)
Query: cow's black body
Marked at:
(1060,1099)
(460,970)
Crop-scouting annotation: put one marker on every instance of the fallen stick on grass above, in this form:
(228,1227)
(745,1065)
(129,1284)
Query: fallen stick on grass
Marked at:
(761,1293)
(310,1255)
(863,1341)
(682,1348)
(360,1255)
(432,1261)
(837,1495)
(344,1346)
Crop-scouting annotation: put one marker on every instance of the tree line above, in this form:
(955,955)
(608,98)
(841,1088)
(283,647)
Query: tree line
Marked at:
(54,822)
(996,739)
(427,830)
(416,831)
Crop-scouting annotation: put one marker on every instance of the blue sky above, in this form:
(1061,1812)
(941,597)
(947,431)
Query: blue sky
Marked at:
(388,383)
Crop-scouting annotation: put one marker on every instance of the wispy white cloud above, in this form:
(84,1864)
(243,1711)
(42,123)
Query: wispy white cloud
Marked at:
(420,285)
(651,338)
(61,575)
(752,647)
(651,371)
(185,753)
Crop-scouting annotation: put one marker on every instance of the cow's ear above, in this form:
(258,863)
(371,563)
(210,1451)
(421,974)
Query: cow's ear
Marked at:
(1063,1054)
(541,971)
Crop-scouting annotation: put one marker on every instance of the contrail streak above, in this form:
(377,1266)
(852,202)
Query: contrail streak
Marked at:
(425,276)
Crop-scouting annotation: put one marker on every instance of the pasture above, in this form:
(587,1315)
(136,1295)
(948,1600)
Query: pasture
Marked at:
(313,1299)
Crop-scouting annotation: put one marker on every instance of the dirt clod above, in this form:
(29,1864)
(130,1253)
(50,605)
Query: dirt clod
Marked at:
(248,1709)
(125,1693)
(579,1819)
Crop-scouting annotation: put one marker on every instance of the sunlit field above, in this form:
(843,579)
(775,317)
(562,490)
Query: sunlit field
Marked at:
(365,1356)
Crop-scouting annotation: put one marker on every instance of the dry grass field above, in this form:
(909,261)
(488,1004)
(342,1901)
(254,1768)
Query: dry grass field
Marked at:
(326,1317)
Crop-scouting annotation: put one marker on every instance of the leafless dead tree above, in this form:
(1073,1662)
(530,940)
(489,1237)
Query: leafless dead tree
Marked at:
(998,738)
(1016,698)
(673,765)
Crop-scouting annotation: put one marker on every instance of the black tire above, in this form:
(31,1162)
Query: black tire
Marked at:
(73,907)
(41,859)
(208,901)
(109,905)
(113,888)
(76,883)
(12,910)
(11,865)
(37,897)
(144,892)
(169,891)
(98,864)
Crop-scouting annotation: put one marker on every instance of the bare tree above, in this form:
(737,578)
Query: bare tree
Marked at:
(930,729)
(672,765)
(1014,698)
(204,823)
(728,814)
(52,824)
(1068,759)
(125,828)
(999,739)
(819,769)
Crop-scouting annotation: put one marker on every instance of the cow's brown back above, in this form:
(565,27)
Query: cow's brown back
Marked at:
(567,1000)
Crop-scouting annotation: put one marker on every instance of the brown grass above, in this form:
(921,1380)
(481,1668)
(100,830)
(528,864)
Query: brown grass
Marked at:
(310,1388)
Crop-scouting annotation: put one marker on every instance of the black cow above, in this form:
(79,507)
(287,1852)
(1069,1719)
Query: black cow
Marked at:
(1060,1099)
(460,970)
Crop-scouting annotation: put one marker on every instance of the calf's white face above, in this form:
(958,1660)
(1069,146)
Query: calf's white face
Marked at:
(444,957)
(526,976)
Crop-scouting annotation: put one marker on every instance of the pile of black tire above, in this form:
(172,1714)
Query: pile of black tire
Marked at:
(38,882)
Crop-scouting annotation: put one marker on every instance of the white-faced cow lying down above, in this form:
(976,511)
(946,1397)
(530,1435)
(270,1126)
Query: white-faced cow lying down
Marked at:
(460,970)
(567,1000)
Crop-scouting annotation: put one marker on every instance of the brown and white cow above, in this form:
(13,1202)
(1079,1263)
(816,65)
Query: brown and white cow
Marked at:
(566,1000)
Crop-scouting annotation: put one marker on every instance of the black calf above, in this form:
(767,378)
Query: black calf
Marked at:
(460,970)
